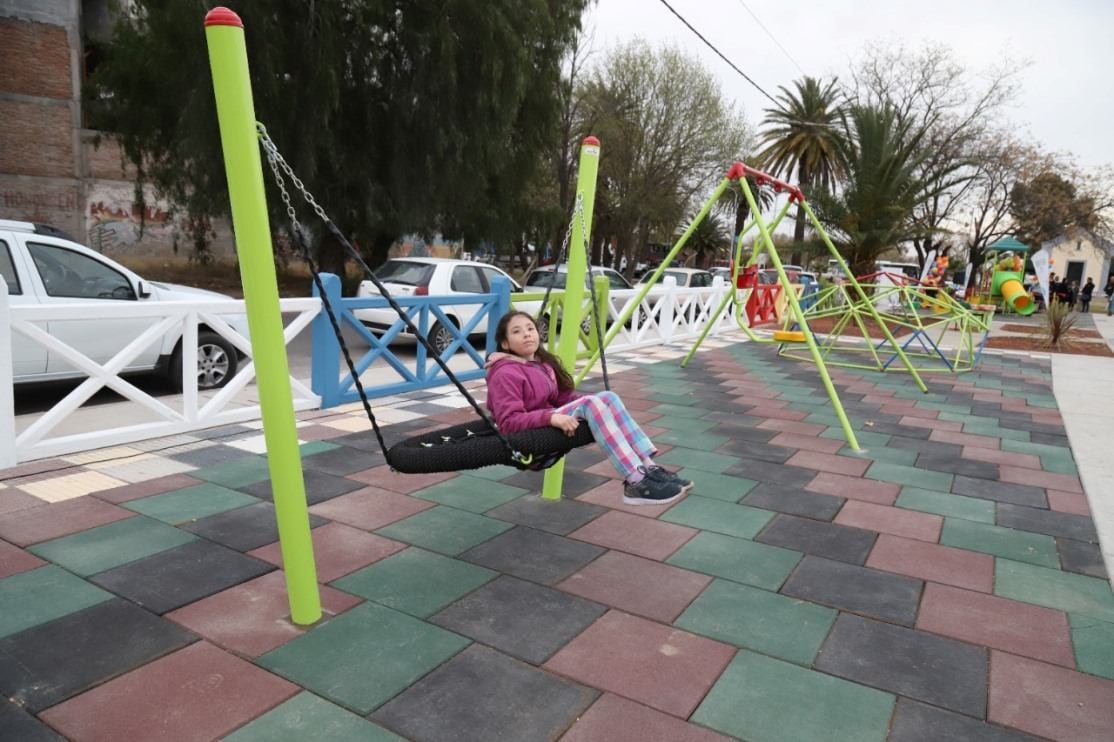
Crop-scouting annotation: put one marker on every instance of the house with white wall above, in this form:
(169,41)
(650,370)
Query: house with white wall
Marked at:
(1079,254)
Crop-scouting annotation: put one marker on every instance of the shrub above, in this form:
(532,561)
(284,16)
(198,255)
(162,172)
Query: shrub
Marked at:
(1059,320)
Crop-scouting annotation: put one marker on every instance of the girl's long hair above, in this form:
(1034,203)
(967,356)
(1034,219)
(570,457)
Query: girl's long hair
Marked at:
(564,379)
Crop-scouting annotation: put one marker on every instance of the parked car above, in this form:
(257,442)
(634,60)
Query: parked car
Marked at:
(542,278)
(430,277)
(686,278)
(42,266)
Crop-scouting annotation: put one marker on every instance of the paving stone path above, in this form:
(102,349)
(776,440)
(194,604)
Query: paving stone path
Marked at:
(945,583)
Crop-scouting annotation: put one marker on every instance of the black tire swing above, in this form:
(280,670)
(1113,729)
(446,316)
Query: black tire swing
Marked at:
(456,448)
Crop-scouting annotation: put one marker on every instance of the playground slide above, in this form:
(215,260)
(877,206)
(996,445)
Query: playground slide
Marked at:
(1017,297)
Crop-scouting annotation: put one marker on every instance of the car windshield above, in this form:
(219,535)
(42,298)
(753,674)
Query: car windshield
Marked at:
(545,278)
(406,272)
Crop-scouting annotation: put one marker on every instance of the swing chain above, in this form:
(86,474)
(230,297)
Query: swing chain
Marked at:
(276,160)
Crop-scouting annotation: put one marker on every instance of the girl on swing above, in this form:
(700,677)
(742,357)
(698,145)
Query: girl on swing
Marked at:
(527,387)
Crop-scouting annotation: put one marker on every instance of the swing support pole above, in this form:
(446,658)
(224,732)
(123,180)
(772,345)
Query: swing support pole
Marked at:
(573,301)
(228,59)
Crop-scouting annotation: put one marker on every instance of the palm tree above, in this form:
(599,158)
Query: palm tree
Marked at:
(800,134)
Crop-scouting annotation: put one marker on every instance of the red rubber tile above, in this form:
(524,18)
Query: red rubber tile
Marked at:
(621,580)
(1047,479)
(827,462)
(197,693)
(616,719)
(891,520)
(13,500)
(404,484)
(610,495)
(604,469)
(129,492)
(895,408)
(370,508)
(775,413)
(1006,458)
(868,490)
(254,617)
(965,439)
(1019,628)
(1048,700)
(630,533)
(1068,502)
(14,560)
(806,443)
(338,549)
(27,527)
(933,562)
(791,426)
(662,667)
(921,422)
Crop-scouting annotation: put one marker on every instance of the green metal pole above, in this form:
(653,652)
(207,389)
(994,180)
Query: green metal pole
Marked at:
(228,59)
(572,308)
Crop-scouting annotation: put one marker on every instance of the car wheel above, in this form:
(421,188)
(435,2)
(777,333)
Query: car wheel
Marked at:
(216,362)
(441,337)
(543,329)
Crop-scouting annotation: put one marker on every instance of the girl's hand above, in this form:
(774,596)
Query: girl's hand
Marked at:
(500,355)
(565,423)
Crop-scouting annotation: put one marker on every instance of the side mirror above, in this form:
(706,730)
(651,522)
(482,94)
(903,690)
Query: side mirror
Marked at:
(143,291)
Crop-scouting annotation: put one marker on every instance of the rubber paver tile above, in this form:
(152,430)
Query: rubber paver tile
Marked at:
(791,426)
(955,464)
(708,514)
(1049,701)
(616,719)
(818,461)
(908,662)
(51,662)
(933,562)
(660,666)
(942,503)
(370,508)
(235,470)
(19,725)
(1015,494)
(737,559)
(253,617)
(1094,645)
(771,471)
(197,693)
(689,441)
(190,504)
(44,594)
(445,530)
(319,487)
(335,659)
(306,716)
(552,516)
(871,440)
(492,473)
(826,483)
(849,587)
(483,695)
(26,527)
(1022,546)
(930,423)
(1049,480)
(619,580)
(610,495)
(676,411)
(158,486)
(603,469)
(13,500)
(709,461)
(337,549)
(771,692)
(533,555)
(996,622)
(891,520)
(469,493)
(14,560)
(70,486)
(843,543)
(794,501)
(1005,458)
(404,484)
(573,482)
(416,582)
(642,536)
(115,544)
(1052,588)
(686,424)
(243,529)
(1082,558)
(340,461)
(179,576)
(918,722)
(1067,502)
(910,475)
(803,442)
(1066,525)
(142,467)
(966,439)
(756,619)
(525,620)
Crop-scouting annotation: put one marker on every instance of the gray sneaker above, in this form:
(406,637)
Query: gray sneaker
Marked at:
(662,474)
(650,491)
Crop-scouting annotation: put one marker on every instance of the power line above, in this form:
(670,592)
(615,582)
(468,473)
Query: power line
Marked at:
(719,53)
(768,33)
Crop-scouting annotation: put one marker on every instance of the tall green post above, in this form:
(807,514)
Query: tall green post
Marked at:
(228,59)
(572,307)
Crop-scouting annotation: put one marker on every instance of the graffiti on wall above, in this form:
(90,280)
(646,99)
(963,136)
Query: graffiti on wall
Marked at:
(115,221)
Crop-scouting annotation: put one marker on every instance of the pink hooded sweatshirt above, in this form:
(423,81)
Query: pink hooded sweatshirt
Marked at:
(523,395)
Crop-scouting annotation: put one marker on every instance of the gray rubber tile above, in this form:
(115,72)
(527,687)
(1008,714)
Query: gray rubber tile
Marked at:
(830,540)
(1015,494)
(533,555)
(319,486)
(881,595)
(919,722)
(1036,520)
(553,516)
(244,529)
(1081,557)
(794,501)
(19,726)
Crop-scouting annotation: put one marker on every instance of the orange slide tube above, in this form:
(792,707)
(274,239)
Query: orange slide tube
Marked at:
(1017,297)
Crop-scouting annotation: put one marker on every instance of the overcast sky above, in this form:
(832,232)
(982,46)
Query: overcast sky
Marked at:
(1066,101)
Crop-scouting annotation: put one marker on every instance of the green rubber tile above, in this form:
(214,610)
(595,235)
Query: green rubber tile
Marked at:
(415,581)
(237,473)
(948,505)
(898,456)
(787,703)
(757,619)
(685,424)
(674,399)
(718,486)
(1022,546)
(1094,645)
(313,447)
(445,530)
(737,559)
(867,439)
(1052,588)
(363,657)
(957,418)
(676,410)
(306,716)
(697,441)
(98,549)
(987,428)
(1043,450)
(469,493)
(703,460)
(1059,465)
(910,475)
(492,473)
(190,504)
(44,594)
(710,514)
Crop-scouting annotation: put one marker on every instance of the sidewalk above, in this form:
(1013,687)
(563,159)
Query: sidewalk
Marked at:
(946,583)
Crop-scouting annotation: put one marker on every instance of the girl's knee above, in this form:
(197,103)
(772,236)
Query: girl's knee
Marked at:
(609,397)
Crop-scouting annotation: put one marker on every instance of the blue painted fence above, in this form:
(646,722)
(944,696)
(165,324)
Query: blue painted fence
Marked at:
(331,378)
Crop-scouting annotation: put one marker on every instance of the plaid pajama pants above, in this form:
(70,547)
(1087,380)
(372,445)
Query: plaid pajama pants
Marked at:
(614,429)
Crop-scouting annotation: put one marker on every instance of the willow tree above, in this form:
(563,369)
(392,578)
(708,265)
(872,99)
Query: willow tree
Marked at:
(399,116)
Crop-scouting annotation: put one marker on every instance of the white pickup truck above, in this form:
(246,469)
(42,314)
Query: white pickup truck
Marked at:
(42,266)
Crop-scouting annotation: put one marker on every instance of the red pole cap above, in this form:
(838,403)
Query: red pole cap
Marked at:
(591,141)
(736,171)
(222,16)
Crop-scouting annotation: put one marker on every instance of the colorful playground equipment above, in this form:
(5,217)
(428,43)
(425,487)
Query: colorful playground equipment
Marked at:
(1003,276)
